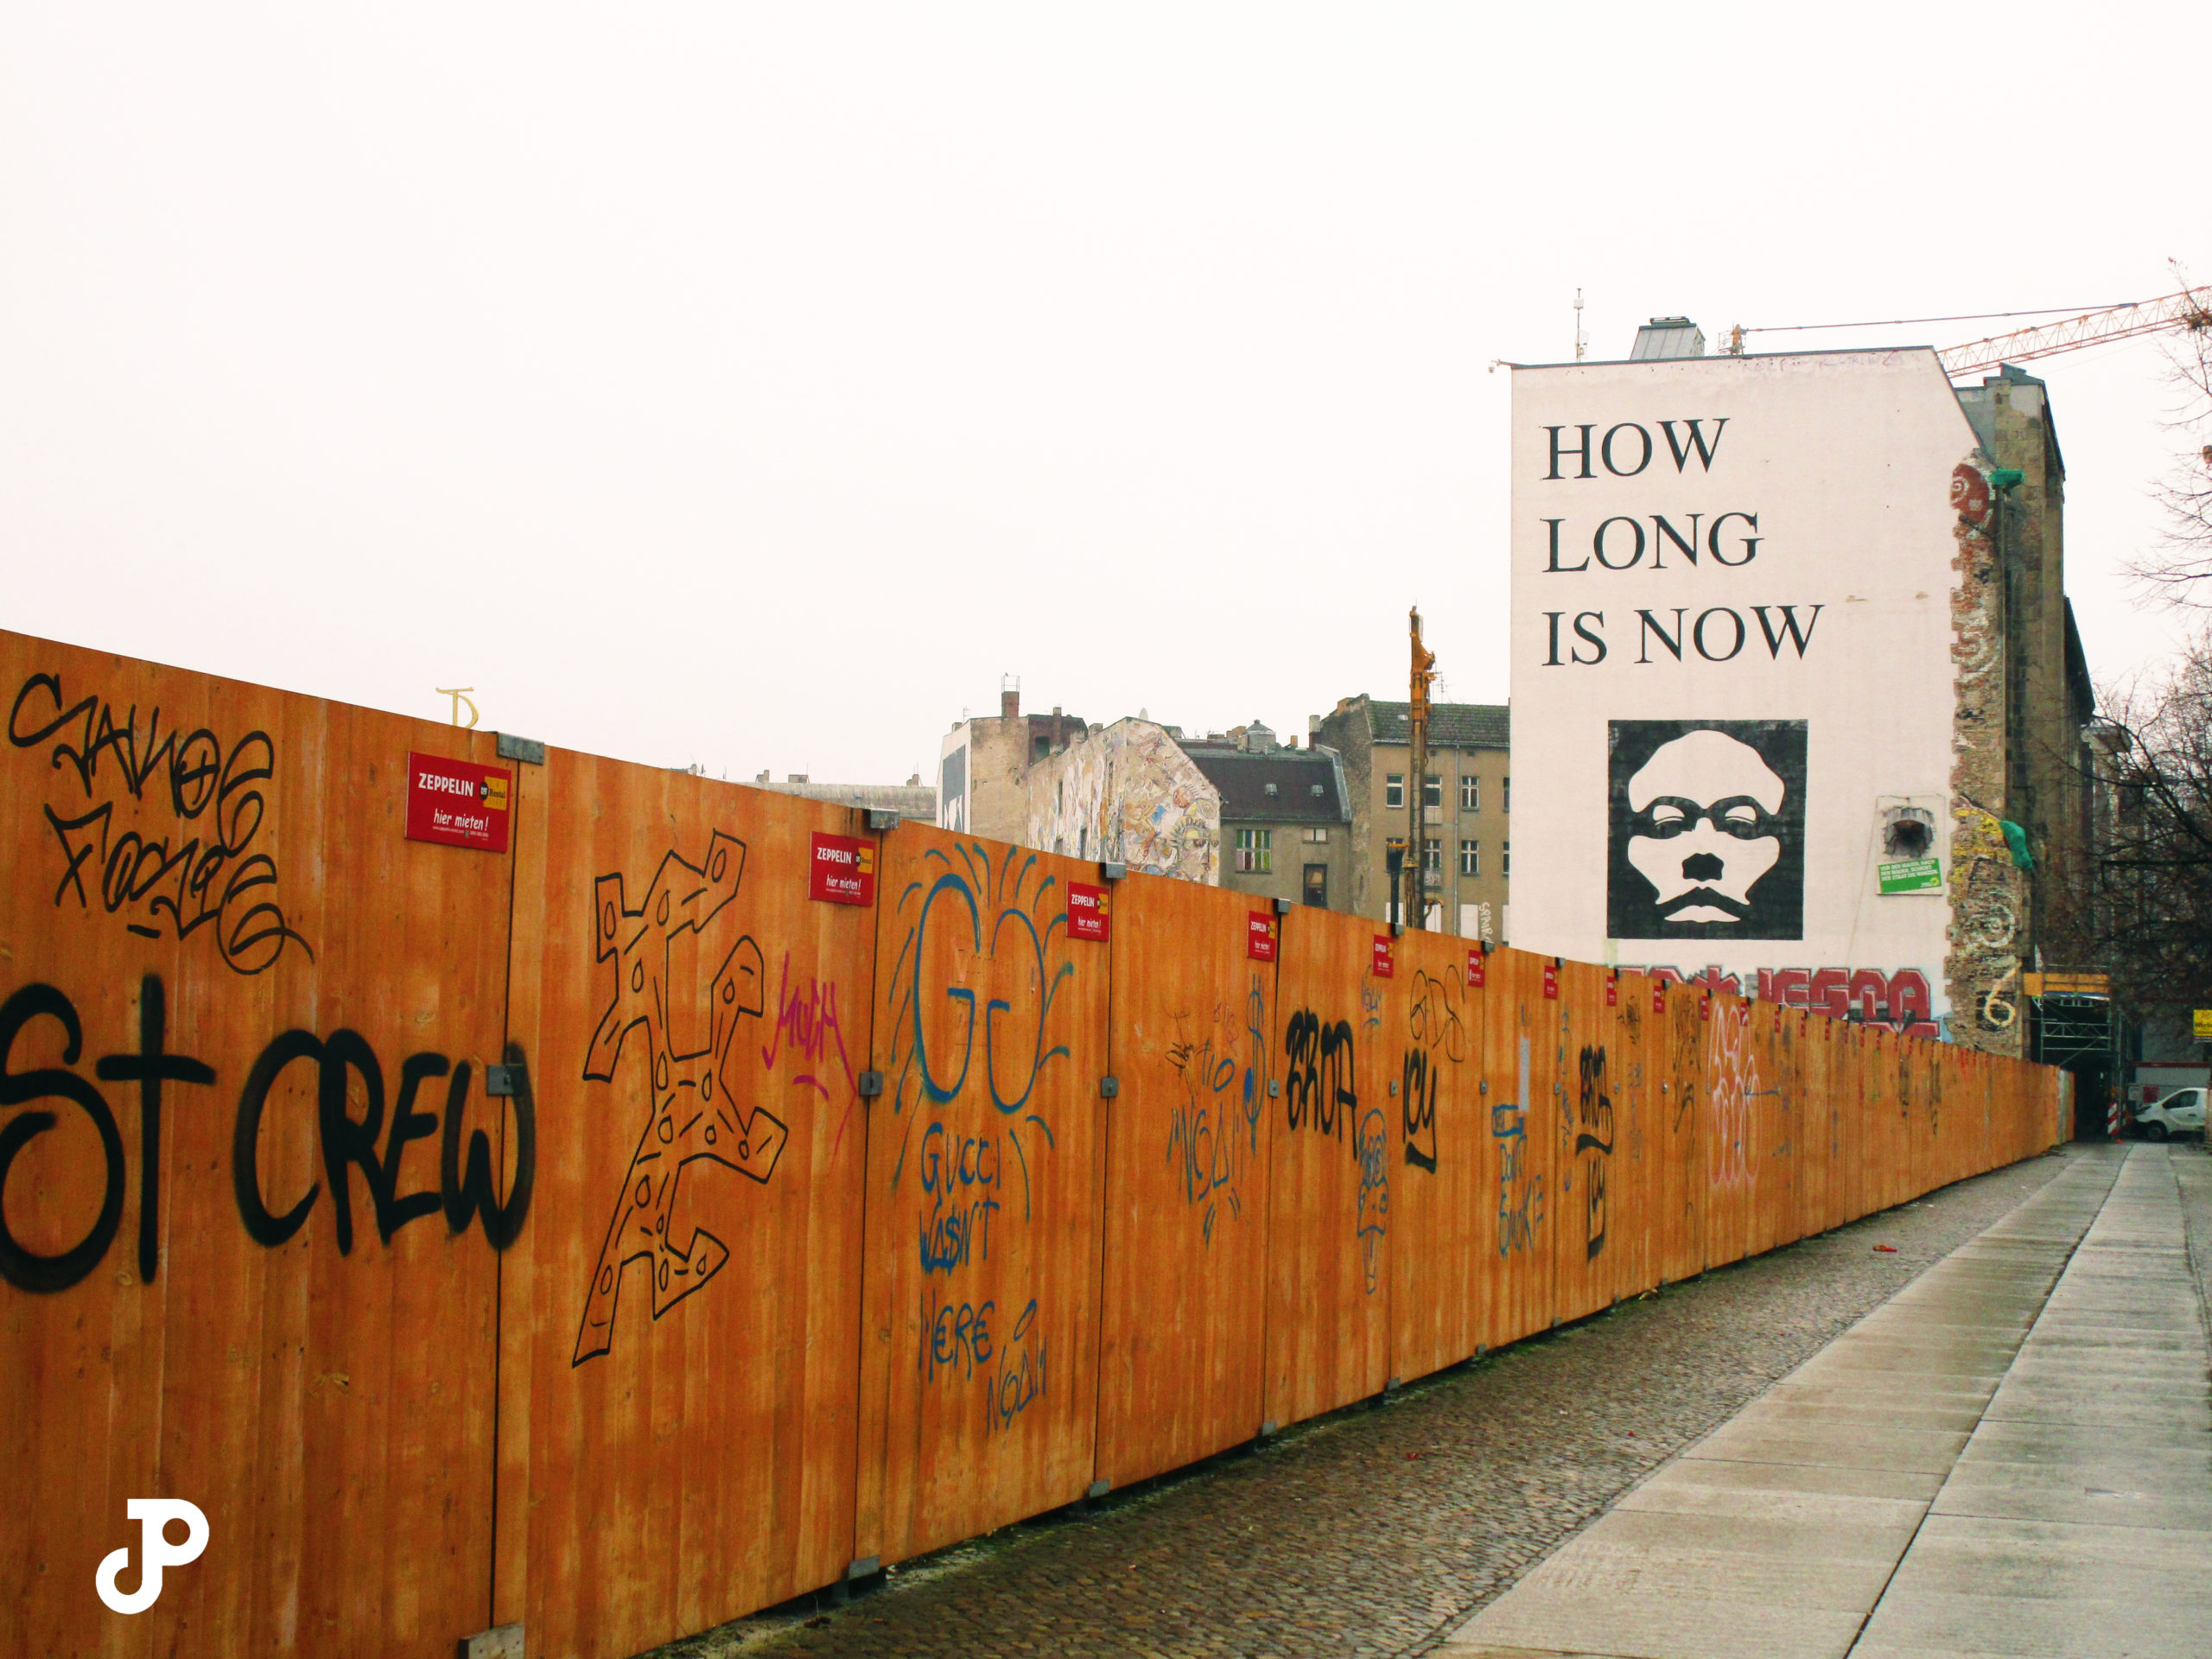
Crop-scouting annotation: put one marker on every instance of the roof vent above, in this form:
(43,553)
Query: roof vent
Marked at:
(1666,337)
(1271,791)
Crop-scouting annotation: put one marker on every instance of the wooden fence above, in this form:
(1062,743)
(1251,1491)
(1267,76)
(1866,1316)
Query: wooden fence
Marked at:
(699,1195)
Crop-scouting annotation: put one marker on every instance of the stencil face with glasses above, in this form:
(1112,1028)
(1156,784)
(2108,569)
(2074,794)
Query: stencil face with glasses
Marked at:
(1704,829)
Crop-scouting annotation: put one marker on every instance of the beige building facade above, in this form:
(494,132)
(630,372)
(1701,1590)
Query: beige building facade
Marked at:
(1457,824)
(1285,817)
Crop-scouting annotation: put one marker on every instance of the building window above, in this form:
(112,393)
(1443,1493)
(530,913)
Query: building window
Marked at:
(1317,886)
(1471,794)
(1394,788)
(1039,747)
(1317,791)
(1256,851)
(1470,858)
(1270,788)
(1432,790)
(1505,860)
(1505,803)
(1431,853)
(1318,832)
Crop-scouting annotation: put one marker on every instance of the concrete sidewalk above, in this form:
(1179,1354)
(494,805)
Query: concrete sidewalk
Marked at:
(2012,1456)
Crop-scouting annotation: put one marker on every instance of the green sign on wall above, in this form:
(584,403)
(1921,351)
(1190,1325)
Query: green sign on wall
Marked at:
(1911,874)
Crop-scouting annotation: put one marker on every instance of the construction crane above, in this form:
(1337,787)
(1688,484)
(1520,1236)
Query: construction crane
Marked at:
(2191,309)
(1412,871)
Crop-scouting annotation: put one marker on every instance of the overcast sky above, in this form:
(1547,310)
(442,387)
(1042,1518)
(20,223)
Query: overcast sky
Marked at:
(753,385)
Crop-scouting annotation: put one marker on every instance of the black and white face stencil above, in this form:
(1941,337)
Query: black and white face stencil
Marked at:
(1707,830)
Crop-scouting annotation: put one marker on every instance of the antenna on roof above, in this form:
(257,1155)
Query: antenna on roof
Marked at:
(1582,339)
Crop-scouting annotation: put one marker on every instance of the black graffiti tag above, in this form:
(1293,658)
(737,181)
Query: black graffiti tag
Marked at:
(1595,1136)
(463,1190)
(199,872)
(1318,1087)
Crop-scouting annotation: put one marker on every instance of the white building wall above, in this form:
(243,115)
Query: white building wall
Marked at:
(1845,460)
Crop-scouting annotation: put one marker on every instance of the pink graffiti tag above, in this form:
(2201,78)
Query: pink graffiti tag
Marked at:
(808,1020)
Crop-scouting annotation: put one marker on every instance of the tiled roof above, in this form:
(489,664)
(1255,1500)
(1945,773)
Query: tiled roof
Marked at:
(1451,725)
(1242,780)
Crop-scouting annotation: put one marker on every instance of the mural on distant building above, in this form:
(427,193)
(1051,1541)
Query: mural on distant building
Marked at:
(1127,792)
(1707,835)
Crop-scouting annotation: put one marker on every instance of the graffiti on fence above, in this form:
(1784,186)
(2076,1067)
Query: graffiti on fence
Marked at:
(347,1067)
(985,934)
(962,1177)
(1732,1083)
(1206,1144)
(956,1338)
(692,1114)
(807,1020)
(1438,1035)
(1320,1088)
(1372,1146)
(1593,1144)
(1022,1375)
(172,859)
(1520,1190)
(1259,1068)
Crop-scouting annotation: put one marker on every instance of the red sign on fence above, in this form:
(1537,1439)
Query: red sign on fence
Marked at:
(1087,916)
(841,870)
(1612,992)
(1259,936)
(1658,997)
(457,803)
(1477,970)
(1384,963)
(1551,981)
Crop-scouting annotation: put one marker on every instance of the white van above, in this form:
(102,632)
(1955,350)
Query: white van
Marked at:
(2180,1113)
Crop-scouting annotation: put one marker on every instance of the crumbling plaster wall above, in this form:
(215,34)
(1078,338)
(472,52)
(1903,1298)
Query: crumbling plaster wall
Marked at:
(1989,896)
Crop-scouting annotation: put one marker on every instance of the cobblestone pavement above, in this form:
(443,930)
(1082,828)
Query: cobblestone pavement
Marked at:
(1375,1531)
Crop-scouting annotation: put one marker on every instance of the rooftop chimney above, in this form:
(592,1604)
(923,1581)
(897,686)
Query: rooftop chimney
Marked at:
(1009,696)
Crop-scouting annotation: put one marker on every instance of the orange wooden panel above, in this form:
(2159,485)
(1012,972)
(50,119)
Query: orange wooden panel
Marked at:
(1182,1338)
(985,1194)
(1682,1014)
(1586,1138)
(1519,1071)
(1444,1188)
(681,1332)
(1633,1173)
(1773,1192)
(1848,1083)
(1879,1046)
(271,1317)
(1337,1161)
(1951,1151)
(1730,1131)
(1815,1127)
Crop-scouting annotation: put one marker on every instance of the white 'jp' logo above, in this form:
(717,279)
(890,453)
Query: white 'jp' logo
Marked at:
(154,1551)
